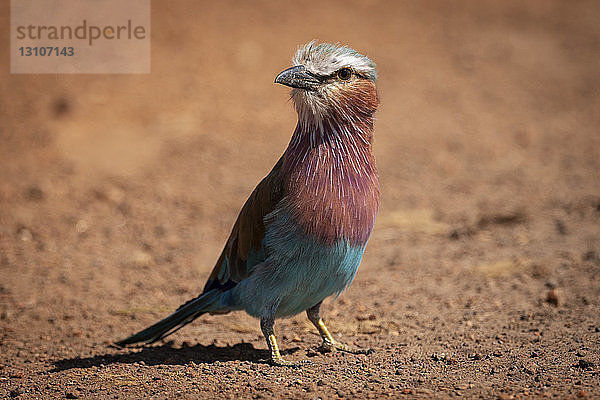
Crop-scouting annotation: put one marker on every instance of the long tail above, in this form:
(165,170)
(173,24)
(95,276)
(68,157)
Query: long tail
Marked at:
(185,314)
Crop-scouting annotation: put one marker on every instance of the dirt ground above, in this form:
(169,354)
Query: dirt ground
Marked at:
(481,279)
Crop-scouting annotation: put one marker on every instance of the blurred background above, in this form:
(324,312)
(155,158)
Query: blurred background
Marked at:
(118,191)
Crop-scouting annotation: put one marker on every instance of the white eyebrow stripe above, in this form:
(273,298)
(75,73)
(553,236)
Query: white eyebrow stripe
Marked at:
(325,59)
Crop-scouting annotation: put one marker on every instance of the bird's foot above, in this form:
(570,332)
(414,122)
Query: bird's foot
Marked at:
(331,346)
(276,358)
(281,362)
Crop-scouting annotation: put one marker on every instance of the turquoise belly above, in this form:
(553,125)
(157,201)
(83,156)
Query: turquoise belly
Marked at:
(297,274)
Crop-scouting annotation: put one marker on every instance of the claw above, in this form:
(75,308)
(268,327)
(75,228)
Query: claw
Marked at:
(277,359)
(329,343)
(281,362)
(329,346)
(266,325)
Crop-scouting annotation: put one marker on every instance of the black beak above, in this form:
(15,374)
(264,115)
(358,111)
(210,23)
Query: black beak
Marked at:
(298,77)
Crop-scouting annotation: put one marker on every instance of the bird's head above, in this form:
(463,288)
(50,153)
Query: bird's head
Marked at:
(331,82)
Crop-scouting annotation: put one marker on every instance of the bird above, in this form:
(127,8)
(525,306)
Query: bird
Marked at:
(301,235)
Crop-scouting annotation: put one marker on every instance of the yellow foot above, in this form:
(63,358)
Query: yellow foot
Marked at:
(329,346)
(276,358)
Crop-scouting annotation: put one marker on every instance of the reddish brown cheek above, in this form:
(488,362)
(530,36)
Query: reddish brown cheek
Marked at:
(360,96)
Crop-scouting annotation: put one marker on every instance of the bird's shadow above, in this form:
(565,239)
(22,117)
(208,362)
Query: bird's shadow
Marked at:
(167,354)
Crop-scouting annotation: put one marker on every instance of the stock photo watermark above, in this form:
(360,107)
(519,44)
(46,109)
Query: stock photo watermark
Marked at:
(80,36)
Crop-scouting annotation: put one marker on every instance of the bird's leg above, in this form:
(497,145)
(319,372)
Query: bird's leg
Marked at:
(266,325)
(329,343)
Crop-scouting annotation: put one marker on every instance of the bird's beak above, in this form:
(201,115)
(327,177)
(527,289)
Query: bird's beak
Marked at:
(298,77)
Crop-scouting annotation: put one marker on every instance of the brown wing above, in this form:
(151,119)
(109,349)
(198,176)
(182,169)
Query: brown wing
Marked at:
(245,248)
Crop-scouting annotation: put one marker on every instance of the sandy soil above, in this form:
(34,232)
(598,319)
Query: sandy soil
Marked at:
(482,277)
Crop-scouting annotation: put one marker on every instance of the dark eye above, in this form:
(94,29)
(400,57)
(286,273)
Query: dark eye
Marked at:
(344,74)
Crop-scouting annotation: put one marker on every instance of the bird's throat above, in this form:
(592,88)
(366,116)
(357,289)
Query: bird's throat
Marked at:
(332,181)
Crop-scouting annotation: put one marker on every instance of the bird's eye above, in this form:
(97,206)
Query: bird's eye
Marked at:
(344,74)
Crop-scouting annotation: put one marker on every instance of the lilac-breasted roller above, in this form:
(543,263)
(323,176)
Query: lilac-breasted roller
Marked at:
(301,234)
